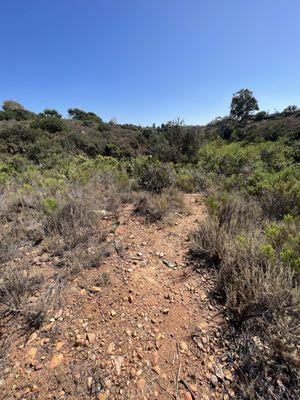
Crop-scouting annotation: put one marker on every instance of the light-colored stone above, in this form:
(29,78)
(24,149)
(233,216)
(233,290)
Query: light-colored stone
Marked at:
(214,379)
(118,364)
(228,375)
(187,396)
(90,382)
(91,337)
(183,346)
(157,369)
(141,384)
(95,289)
(59,346)
(111,348)
(56,360)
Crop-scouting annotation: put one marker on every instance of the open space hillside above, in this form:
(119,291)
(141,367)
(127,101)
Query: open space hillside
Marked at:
(156,262)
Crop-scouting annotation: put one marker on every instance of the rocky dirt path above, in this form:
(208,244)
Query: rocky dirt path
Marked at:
(141,326)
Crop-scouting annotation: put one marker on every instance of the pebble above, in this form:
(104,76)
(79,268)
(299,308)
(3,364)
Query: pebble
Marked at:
(95,289)
(169,264)
(91,337)
(193,387)
(183,346)
(118,364)
(90,382)
(141,384)
(59,346)
(111,348)
(219,372)
(157,369)
(130,299)
(214,380)
(56,361)
(228,375)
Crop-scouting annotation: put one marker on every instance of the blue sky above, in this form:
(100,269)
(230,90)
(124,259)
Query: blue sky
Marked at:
(149,61)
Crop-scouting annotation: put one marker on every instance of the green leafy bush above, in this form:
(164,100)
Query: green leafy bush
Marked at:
(50,123)
(155,176)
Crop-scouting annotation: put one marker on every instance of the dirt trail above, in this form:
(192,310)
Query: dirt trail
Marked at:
(139,327)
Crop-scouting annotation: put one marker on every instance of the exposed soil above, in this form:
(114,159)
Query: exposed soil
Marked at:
(140,326)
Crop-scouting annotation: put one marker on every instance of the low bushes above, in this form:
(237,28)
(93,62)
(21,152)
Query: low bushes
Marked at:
(154,176)
(158,207)
(50,123)
(257,264)
(15,284)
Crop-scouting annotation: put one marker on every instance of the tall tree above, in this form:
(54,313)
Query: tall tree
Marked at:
(243,104)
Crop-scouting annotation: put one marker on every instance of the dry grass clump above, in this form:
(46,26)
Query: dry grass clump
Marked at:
(261,293)
(159,207)
(228,216)
(70,220)
(15,286)
(208,242)
(35,314)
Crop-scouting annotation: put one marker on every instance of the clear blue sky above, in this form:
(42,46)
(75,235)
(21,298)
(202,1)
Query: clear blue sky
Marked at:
(149,61)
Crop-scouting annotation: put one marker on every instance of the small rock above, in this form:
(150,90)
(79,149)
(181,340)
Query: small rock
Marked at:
(118,364)
(214,379)
(90,382)
(31,353)
(141,384)
(58,314)
(157,369)
(56,361)
(169,264)
(91,337)
(59,346)
(130,298)
(187,396)
(219,372)
(113,313)
(165,311)
(79,341)
(183,346)
(107,383)
(95,289)
(228,375)
(193,387)
(111,348)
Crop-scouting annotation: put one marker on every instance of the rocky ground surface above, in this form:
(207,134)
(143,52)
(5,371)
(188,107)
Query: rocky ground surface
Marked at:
(141,326)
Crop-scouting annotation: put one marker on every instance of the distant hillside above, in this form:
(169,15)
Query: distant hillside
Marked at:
(35,137)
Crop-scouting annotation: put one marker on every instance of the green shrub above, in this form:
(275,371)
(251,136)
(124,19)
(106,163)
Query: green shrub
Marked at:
(51,124)
(88,118)
(51,113)
(155,176)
